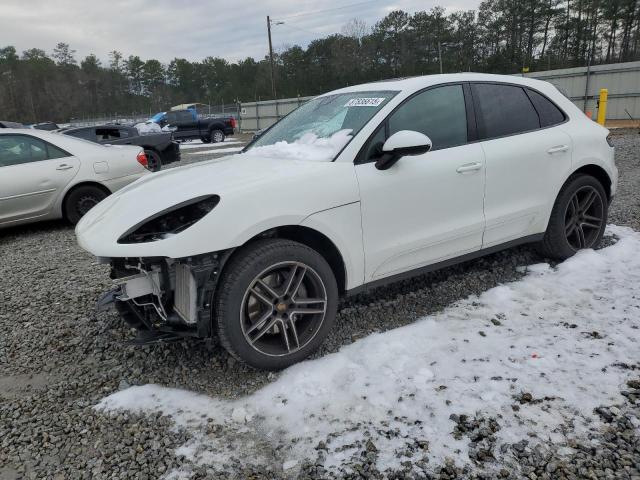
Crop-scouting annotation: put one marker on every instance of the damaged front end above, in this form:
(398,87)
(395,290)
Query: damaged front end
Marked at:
(165,299)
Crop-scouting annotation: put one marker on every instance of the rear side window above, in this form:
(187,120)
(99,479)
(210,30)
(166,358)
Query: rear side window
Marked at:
(439,113)
(503,110)
(105,134)
(55,152)
(86,133)
(549,114)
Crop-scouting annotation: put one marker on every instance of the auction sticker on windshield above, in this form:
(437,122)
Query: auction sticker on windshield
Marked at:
(364,102)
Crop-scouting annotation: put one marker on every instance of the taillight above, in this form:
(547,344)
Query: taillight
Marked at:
(233,122)
(142,159)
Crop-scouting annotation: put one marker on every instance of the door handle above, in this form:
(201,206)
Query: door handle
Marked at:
(469,167)
(64,166)
(558,149)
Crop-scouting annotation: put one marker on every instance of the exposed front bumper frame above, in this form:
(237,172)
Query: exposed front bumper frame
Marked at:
(160,296)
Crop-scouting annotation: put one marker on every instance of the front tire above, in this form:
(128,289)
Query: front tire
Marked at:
(276,303)
(81,200)
(578,218)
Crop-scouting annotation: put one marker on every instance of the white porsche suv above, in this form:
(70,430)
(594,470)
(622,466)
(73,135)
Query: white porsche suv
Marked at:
(358,187)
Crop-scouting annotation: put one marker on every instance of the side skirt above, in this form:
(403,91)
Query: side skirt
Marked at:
(446,263)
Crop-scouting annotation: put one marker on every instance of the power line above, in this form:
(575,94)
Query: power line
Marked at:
(330,9)
(284,24)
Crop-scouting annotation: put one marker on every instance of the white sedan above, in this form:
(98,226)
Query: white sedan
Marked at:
(358,187)
(46,175)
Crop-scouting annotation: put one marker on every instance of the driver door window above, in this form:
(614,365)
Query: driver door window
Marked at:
(439,113)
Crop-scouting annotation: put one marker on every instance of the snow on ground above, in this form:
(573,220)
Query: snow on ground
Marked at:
(307,147)
(556,334)
(216,150)
(199,144)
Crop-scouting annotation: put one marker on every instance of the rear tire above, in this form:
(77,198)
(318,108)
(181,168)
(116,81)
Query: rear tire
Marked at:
(578,218)
(81,200)
(154,162)
(216,136)
(276,302)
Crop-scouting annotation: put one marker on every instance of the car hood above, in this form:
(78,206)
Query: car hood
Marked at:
(256,194)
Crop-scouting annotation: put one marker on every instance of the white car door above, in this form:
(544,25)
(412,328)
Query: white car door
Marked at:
(426,208)
(32,175)
(527,157)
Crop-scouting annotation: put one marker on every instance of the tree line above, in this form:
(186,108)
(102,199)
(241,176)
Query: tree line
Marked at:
(501,36)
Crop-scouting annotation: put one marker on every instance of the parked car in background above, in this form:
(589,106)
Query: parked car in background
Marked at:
(49,126)
(356,188)
(160,148)
(6,124)
(46,175)
(186,125)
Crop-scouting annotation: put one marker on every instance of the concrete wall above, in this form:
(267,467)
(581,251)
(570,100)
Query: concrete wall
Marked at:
(621,79)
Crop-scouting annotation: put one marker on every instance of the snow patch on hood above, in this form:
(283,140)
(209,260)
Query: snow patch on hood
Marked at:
(307,147)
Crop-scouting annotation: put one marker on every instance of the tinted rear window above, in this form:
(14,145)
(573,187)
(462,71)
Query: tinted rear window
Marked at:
(548,112)
(503,110)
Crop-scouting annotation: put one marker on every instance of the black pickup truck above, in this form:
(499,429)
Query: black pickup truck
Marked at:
(160,148)
(186,125)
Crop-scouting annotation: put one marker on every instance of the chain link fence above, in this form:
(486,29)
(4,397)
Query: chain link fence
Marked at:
(256,116)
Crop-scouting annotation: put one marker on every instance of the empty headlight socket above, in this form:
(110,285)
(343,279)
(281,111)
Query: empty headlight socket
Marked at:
(187,209)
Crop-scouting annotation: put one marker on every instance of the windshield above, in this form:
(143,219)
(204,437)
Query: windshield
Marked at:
(320,128)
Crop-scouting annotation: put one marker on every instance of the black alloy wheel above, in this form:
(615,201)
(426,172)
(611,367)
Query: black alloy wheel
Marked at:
(584,217)
(276,302)
(283,308)
(578,218)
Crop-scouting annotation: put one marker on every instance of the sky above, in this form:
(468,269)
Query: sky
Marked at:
(191,29)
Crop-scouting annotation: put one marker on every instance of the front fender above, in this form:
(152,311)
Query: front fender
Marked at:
(343,226)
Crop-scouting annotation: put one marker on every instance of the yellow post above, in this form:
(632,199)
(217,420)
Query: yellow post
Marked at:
(602,105)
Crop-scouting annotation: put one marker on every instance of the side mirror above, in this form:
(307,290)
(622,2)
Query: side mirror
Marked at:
(400,144)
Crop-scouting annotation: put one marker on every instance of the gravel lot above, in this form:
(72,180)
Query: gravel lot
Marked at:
(58,358)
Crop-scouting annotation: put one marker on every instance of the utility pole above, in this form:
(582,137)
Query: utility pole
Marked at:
(440,55)
(273,79)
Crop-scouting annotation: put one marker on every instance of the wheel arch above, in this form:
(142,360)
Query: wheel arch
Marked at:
(75,187)
(598,173)
(313,239)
